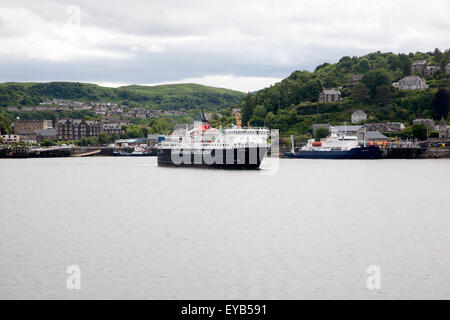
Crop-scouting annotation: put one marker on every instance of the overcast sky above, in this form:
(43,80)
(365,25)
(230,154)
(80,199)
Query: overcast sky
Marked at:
(239,44)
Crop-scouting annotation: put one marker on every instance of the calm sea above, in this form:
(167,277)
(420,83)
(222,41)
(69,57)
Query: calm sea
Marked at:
(139,231)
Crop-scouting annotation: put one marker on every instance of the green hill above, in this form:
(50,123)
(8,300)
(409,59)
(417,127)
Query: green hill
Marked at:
(291,105)
(173,96)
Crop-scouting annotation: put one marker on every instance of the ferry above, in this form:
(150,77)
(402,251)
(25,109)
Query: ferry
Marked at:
(337,147)
(201,145)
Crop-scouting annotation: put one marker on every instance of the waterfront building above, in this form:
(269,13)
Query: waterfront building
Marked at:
(75,129)
(444,130)
(47,134)
(30,127)
(358,116)
(355,131)
(330,95)
(429,123)
(374,136)
(112,128)
(10,138)
(412,83)
(384,126)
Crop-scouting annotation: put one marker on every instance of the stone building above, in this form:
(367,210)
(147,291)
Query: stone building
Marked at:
(358,116)
(30,127)
(384,126)
(418,67)
(357,79)
(444,130)
(429,123)
(412,83)
(330,95)
(10,138)
(75,129)
(375,136)
(431,71)
(47,134)
(112,128)
(356,131)
(447,69)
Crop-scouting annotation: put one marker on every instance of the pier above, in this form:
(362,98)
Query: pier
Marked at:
(53,152)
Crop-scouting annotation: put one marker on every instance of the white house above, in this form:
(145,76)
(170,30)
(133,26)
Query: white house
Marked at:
(358,116)
(412,83)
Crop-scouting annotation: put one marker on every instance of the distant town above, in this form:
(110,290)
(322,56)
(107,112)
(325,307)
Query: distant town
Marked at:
(366,96)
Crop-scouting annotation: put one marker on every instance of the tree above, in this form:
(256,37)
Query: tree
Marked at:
(363,66)
(270,119)
(104,138)
(441,103)
(47,143)
(375,78)
(419,131)
(247,110)
(383,95)
(360,93)
(321,132)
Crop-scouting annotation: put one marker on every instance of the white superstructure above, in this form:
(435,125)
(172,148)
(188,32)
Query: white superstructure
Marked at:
(203,136)
(332,143)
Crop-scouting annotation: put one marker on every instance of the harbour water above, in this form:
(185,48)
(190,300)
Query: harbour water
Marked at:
(140,231)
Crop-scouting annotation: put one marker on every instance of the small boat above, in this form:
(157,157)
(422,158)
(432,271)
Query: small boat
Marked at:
(136,152)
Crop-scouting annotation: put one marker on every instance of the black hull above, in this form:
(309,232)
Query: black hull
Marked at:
(244,158)
(371,152)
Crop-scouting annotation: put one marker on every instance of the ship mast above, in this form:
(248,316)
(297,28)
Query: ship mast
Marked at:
(292,144)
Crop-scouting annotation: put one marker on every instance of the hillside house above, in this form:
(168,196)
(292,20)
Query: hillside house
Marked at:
(412,83)
(418,67)
(431,71)
(330,95)
(358,116)
(357,79)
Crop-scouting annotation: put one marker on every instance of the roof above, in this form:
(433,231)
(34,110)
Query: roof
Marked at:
(359,112)
(318,125)
(347,128)
(411,78)
(331,91)
(375,135)
(47,132)
(419,62)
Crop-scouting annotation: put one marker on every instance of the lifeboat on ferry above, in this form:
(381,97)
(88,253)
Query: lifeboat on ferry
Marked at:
(317,144)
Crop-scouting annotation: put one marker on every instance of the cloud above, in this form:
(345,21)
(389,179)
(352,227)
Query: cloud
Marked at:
(215,41)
